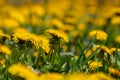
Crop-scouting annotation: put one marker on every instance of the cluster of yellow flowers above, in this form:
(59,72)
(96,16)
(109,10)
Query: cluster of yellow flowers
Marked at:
(28,74)
(40,24)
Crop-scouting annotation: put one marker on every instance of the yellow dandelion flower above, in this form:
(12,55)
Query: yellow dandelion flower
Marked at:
(35,53)
(114,71)
(10,23)
(59,34)
(2,62)
(20,30)
(81,26)
(117,39)
(51,76)
(40,41)
(22,71)
(102,48)
(57,23)
(89,52)
(115,20)
(4,36)
(77,76)
(99,76)
(106,49)
(114,49)
(68,27)
(94,64)
(37,10)
(4,49)
(70,20)
(98,35)
(17,15)
(21,36)
(45,43)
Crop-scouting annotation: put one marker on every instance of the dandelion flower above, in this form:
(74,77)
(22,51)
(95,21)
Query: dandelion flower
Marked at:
(94,64)
(59,34)
(89,52)
(16,37)
(77,76)
(99,76)
(51,76)
(2,62)
(117,39)
(22,71)
(98,35)
(4,49)
(115,20)
(40,41)
(114,72)
(10,23)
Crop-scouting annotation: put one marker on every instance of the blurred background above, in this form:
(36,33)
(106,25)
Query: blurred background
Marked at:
(57,14)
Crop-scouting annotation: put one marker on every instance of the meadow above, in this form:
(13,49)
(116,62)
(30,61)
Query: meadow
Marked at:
(60,40)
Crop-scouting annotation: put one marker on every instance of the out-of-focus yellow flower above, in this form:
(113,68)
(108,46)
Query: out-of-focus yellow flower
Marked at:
(81,26)
(94,64)
(77,76)
(4,49)
(68,27)
(22,71)
(20,30)
(57,23)
(102,48)
(99,21)
(59,34)
(115,20)
(10,23)
(70,20)
(89,52)
(37,10)
(4,36)
(36,21)
(99,76)
(114,49)
(98,35)
(51,76)
(117,39)
(35,53)
(114,71)
(2,62)
(17,16)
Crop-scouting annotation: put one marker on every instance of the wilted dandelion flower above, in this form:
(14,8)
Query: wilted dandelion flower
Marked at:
(98,35)
(22,71)
(94,64)
(117,39)
(58,34)
(114,71)
(4,49)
